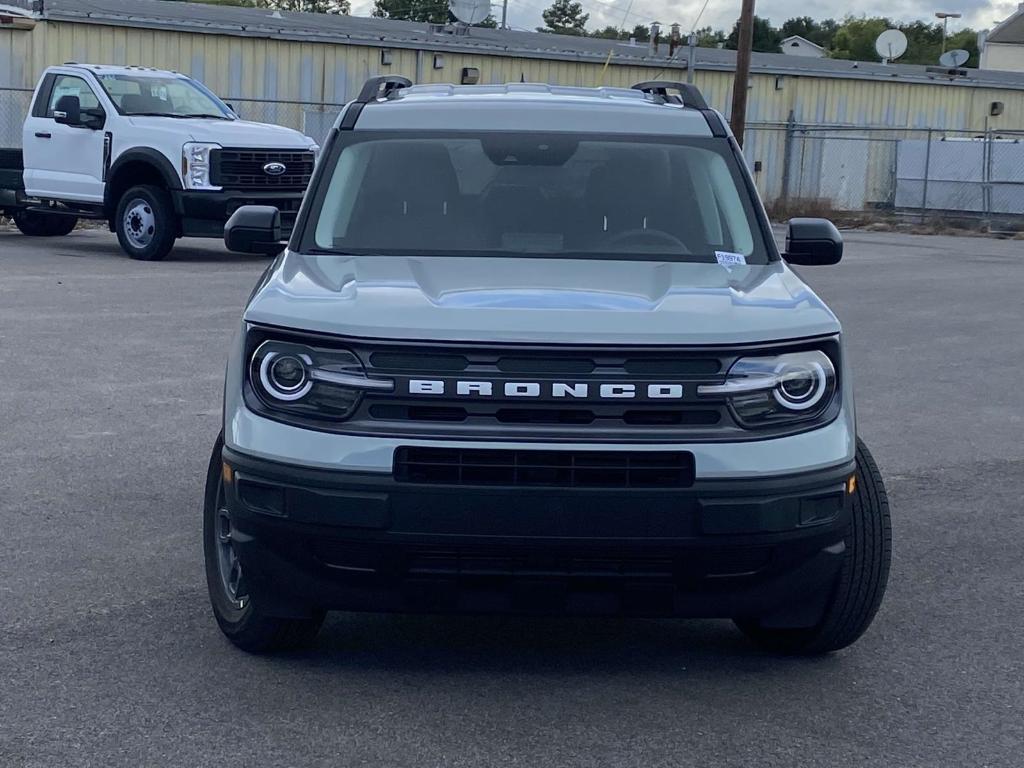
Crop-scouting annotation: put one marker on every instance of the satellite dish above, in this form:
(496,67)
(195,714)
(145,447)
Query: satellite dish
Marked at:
(891,44)
(954,59)
(470,11)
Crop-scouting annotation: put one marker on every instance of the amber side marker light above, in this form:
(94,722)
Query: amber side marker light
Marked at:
(228,474)
(851,484)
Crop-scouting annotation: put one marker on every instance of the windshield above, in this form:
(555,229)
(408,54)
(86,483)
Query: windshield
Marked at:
(536,194)
(162,96)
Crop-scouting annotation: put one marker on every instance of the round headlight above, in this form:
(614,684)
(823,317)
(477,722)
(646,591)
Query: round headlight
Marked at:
(285,376)
(801,385)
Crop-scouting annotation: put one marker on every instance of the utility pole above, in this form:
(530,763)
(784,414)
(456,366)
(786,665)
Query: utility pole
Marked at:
(504,14)
(691,59)
(738,116)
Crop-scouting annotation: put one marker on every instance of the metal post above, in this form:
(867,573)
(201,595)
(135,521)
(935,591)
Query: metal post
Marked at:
(787,153)
(927,171)
(691,59)
(504,14)
(986,175)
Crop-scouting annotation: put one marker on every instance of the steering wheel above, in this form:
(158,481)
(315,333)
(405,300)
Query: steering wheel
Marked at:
(652,236)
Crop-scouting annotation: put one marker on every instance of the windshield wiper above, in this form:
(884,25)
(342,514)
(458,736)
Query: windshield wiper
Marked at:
(212,117)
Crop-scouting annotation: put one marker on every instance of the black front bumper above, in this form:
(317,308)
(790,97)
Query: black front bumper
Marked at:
(767,548)
(203,214)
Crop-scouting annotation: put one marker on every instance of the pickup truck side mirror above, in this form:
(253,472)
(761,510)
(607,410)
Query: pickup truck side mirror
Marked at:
(813,242)
(254,229)
(94,118)
(68,111)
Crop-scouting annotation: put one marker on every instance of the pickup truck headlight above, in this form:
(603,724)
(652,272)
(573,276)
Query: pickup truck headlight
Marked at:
(195,165)
(310,381)
(769,391)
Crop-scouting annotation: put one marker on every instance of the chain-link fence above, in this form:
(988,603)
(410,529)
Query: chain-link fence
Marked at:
(905,171)
(314,120)
(797,167)
(14,105)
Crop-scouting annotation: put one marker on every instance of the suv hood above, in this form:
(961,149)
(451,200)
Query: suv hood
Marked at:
(538,300)
(227,133)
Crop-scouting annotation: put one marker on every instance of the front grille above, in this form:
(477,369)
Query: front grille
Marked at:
(409,414)
(244,168)
(558,469)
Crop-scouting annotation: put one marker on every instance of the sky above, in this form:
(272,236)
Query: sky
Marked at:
(722,14)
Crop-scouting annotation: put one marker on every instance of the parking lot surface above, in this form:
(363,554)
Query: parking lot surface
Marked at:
(110,386)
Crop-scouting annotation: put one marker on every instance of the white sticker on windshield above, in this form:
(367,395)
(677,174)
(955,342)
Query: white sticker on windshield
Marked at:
(729,260)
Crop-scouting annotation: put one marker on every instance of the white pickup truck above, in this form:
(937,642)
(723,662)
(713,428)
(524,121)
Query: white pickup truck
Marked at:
(155,154)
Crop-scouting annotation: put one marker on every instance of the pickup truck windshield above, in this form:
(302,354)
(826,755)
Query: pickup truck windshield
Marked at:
(162,97)
(558,195)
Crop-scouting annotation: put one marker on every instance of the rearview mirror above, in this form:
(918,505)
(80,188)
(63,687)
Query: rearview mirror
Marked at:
(813,242)
(68,111)
(254,229)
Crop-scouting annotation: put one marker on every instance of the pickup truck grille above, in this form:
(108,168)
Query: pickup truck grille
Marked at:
(244,169)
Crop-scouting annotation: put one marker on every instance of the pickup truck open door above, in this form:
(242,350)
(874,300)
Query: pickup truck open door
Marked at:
(63,141)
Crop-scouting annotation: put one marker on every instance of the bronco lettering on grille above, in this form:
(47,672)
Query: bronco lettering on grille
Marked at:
(556,389)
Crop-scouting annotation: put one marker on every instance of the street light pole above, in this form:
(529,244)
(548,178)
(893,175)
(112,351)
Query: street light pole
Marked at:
(945,22)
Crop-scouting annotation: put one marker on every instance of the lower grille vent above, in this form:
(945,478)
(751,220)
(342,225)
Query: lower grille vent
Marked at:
(559,469)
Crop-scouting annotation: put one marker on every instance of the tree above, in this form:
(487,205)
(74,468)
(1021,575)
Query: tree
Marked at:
(565,17)
(766,37)
(608,33)
(709,38)
(641,33)
(432,11)
(307,6)
(855,39)
(818,32)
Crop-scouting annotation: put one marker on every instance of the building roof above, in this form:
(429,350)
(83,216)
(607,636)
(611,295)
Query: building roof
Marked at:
(1010,30)
(386,33)
(803,40)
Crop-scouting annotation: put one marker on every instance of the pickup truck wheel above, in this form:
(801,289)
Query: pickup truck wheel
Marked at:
(145,223)
(39,224)
(862,579)
(236,605)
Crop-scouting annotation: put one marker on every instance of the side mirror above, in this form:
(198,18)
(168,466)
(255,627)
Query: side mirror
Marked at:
(813,242)
(94,118)
(68,111)
(254,229)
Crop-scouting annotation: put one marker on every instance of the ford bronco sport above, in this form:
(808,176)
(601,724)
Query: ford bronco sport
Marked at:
(534,349)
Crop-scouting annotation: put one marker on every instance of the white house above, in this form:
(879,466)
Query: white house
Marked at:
(794,45)
(1003,47)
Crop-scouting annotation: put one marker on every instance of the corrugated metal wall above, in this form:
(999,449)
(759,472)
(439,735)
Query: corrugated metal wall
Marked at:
(239,67)
(242,68)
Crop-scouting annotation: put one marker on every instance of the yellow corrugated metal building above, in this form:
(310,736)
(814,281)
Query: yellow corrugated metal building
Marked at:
(284,67)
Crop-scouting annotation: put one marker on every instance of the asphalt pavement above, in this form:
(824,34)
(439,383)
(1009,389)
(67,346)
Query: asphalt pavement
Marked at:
(110,384)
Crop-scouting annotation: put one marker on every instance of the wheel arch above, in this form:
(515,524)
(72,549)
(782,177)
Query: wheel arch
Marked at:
(137,166)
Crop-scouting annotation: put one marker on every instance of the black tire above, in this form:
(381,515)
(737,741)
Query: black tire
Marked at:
(39,224)
(861,585)
(145,223)
(243,622)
